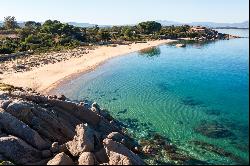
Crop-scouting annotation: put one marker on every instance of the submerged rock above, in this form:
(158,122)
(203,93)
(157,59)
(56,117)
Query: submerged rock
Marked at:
(189,101)
(213,112)
(219,151)
(213,130)
(118,137)
(180,45)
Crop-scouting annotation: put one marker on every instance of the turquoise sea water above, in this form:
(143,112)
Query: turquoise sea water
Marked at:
(193,94)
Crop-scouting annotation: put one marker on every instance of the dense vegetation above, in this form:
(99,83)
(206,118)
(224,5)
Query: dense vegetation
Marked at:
(54,35)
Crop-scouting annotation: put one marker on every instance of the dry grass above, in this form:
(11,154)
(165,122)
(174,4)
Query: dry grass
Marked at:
(9,88)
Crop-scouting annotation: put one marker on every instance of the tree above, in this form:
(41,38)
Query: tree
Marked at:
(10,22)
(128,32)
(104,35)
(149,27)
(32,24)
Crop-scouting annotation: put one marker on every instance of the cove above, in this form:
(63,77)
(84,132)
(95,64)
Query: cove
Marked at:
(197,96)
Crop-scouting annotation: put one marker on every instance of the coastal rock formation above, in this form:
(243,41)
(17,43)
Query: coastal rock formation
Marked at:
(87,158)
(120,155)
(16,127)
(18,151)
(83,141)
(61,159)
(37,129)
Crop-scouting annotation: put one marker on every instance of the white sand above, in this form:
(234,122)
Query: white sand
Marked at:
(45,78)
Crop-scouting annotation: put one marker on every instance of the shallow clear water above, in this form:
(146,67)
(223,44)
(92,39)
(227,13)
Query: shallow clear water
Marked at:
(173,91)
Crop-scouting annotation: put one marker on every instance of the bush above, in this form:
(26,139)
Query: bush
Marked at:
(5,50)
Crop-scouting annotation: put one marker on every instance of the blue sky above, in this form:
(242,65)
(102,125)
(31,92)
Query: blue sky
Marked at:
(126,11)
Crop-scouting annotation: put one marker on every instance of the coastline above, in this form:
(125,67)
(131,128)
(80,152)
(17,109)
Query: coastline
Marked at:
(46,78)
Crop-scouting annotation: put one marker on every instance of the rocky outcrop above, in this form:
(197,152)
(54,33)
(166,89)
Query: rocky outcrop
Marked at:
(87,158)
(61,159)
(16,127)
(120,155)
(18,151)
(82,142)
(37,129)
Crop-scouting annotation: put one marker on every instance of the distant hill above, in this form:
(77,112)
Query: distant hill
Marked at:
(86,25)
(207,24)
(81,24)
(21,24)
(244,24)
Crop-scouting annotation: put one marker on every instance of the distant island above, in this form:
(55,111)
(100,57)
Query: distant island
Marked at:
(242,25)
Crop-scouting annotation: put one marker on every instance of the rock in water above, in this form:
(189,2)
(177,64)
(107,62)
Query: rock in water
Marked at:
(61,159)
(180,45)
(83,140)
(118,137)
(18,151)
(213,130)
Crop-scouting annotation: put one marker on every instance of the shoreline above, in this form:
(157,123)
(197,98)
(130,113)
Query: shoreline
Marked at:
(46,78)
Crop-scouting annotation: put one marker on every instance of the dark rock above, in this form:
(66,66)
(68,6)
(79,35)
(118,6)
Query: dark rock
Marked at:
(62,97)
(122,112)
(2,158)
(189,101)
(213,112)
(219,151)
(118,137)
(213,130)
(18,151)
(46,154)
(4,103)
(63,148)
(105,127)
(101,156)
(54,147)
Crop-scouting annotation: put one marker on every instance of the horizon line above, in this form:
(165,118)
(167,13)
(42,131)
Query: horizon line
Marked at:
(176,22)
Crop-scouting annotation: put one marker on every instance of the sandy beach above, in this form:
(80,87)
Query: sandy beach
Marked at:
(44,79)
